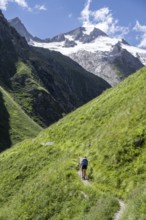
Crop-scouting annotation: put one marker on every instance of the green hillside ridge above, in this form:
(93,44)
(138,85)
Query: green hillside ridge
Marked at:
(15,125)
(24,69)
(25,85)
(39,177)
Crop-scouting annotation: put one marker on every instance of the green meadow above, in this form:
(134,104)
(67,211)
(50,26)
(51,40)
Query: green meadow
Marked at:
(39,176)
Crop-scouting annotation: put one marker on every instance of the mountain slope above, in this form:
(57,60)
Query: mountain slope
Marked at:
(46,84)
(15,125)
(110,130)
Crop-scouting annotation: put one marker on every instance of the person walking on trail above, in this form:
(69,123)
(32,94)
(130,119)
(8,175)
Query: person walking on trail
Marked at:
(84,165)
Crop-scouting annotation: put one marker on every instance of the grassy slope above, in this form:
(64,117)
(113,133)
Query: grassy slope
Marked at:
(14,122)
(23,90)
(39,177)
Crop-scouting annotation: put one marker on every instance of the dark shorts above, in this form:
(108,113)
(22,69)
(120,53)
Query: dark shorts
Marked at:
(84,167)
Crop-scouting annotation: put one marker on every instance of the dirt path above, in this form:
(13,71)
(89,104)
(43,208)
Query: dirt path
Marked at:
(86,181)
(119,214)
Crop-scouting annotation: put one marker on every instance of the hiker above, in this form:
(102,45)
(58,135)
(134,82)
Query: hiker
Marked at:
(84,165)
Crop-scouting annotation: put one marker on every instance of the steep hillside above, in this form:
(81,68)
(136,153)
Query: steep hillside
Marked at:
(15,125)
(46,84)
(39,177)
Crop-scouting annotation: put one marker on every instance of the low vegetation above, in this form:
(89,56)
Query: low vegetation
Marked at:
(39,177)
(14,123)
(25,86)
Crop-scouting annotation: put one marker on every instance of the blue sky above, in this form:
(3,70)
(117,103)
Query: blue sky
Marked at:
(47,18)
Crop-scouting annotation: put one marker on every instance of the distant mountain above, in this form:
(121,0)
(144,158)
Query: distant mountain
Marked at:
(40,181)
(112,59)
(46,84)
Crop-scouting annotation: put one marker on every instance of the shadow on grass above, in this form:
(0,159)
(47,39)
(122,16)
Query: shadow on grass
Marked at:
(5,140)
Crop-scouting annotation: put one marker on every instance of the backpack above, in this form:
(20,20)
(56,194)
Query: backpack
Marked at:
(84,162)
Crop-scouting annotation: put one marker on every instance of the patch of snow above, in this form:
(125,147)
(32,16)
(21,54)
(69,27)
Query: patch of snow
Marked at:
(51,46)
(102,43)
(69,37)
(137,52)
(88,29)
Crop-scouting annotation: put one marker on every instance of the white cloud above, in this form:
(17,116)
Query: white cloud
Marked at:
(21,3)
(142,34)
(3,4)
(41,7)
(70,15)
(85,14)
(102,19)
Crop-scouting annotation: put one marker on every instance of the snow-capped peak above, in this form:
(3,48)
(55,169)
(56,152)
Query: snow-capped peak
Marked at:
(88,29)
(79,34)
(88,39)
(83,35)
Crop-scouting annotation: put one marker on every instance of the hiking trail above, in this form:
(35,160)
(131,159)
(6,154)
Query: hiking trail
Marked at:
(86,181)
(122,204)
(120,212)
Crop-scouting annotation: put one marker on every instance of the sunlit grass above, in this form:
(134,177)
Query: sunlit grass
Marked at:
(39,177)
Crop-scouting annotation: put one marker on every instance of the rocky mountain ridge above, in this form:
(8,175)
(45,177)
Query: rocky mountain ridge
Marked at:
(21,29)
